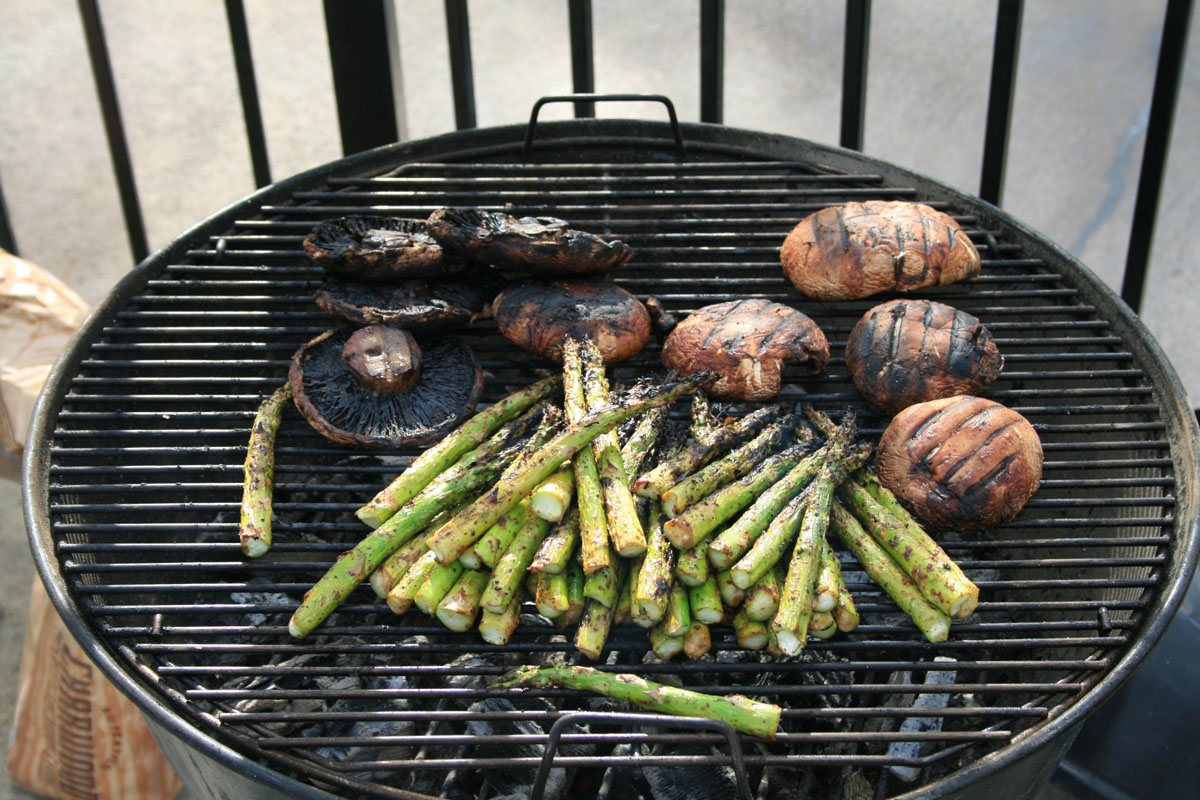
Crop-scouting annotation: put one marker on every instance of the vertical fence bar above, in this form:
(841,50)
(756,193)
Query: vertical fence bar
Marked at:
(362,74)
(854,72)
(583,75)
(1171,52)
(243,62)
(114,128)
(1005,55)
(7,240)
(462,76)
(712,60)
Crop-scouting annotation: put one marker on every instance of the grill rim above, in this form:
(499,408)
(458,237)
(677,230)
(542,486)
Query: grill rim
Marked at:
(1182,431)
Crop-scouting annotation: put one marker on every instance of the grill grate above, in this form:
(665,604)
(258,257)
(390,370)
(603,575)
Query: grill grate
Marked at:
(145,482)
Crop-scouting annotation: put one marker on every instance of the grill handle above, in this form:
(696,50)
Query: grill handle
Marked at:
(658,720)
(602,98)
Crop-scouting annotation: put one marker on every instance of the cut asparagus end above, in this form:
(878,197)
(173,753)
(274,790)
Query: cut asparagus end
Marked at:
(825,602)
(498,628)
(789,642)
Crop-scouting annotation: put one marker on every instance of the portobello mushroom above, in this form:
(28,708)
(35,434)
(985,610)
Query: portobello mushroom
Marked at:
(544,246)
(382,387)
(909,351)
(539,316)
(860,249)
(415,304)
(372,248)
(960,462)
(747,342)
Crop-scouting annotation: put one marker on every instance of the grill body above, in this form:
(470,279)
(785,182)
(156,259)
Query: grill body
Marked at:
(132,484)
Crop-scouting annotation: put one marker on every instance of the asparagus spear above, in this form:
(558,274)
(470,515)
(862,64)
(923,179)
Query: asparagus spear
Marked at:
(741,713)
(460,532)
(593,628)
(589,496)
(845,614)
(623,610)
(697,641)
(510,570)
(575,599)
(459,607)
(657,573)
(558,547)
(466,437)
(384,577)
(821,625)
(400,597)
(724,470)
(691,566)
(448,489)
(621,519)
(931,620)
(751,633)
(694,525)
(678,616)
(647,432)
(664,646)
(940,579)
(489,549)
(762,597)
(705,602)
(731,594)
(551,595)
(254,529)
(828,580)
(604,584)
(704,446)
(498,628)
(552,497)
(436,584)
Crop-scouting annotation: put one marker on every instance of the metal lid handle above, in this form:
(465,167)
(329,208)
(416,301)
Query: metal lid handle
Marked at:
(591,98)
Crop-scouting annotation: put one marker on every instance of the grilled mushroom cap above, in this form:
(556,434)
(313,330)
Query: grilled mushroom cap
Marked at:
(416,304)
(747,342)
(350,384)
(537,245)
(960,462)
(367,248)
(910,351)
(539,316)
(860,249)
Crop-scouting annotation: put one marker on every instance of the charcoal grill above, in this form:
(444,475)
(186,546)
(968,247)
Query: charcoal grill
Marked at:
(133,486)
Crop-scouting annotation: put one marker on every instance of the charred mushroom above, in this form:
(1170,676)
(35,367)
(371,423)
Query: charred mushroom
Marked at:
(860,249)
(379,386)
(369,248)
(747,342)
(416,304)
(960,462)
(537,245)
(539,316)
(910,351)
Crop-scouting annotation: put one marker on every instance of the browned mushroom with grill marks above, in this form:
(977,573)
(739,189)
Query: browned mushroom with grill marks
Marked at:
(909,351)
(416,304)
(544,246)
(747,342)
(373,248)
(539,316)
(960,462)
(860,249)
(382,387)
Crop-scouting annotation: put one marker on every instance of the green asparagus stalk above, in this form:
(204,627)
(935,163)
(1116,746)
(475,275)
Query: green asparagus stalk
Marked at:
(400,597)
(499,628)
(466,437)
(459,533)
(699,520)
(821,625)
(551,595)
(703,447)
(664,646)
(704,602)
(621,519)
(762,598)
(449,489)
(575,599)
(592,632)
(552,497)
(697,641)
(589,495)
(657,574)
(510,570)
(724,470)
(940,579)
(678,616)
(751,633)
(932,621)
(438,582)
(604,584)
(258,475)
(650,427)
(829,579)
(845,614)
(384,577)
(703,419)
(691,566)
(731,594)
(558,546)
(741,713)
(624,608)
(492,545)
(459,607)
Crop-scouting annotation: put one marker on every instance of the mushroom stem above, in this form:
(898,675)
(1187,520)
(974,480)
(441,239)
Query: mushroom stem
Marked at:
(383,358)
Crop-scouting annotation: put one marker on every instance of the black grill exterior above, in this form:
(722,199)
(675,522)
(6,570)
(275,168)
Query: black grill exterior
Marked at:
(133,483)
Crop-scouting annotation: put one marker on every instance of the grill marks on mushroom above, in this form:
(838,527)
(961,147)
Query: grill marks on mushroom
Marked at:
(859,249)
(373,248)
(910,351)
(961,462)
(535,245)
(417,303)
(747,342)
(539,317)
